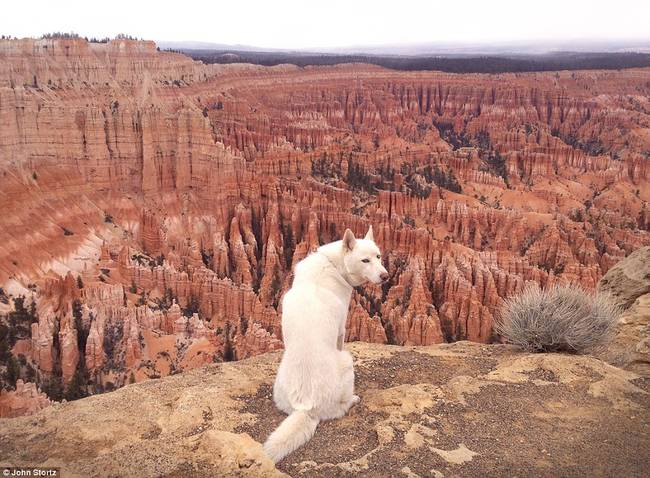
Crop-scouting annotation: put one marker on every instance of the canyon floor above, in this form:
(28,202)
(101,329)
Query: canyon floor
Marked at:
(461,409)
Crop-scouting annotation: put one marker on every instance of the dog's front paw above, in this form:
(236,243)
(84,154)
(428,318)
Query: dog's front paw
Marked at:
(355,399)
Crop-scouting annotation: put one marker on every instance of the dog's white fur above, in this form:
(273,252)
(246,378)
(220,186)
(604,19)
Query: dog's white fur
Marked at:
(315,379)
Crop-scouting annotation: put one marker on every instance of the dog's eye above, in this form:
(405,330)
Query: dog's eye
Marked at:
(378,256)
(365,260)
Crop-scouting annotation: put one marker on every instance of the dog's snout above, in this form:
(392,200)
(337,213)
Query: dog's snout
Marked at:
(384,276)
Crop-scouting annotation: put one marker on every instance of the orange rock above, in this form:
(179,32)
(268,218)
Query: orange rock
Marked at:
(69,351)
(26,399)
(183,194)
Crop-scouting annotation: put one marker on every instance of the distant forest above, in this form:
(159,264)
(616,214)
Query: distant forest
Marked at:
(449,63)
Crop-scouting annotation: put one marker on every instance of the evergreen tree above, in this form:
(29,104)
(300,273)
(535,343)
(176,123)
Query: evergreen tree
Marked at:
(5,348)
(32,312)
(75,388)
(53,388)
(77,313)
(13,372)
(192,307)
(21,318)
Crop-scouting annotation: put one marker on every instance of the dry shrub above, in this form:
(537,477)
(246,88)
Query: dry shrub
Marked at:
(558,319)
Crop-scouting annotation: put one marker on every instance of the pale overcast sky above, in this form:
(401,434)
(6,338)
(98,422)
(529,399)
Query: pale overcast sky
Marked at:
(332,23)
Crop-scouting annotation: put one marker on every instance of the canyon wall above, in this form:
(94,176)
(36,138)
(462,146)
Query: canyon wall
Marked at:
(153,206)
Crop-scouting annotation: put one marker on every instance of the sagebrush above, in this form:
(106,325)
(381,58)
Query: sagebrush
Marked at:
(558,319)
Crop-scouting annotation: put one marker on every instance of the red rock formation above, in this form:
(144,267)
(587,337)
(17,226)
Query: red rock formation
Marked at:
(26,399)
(69,351)
(363,327)
(180,195)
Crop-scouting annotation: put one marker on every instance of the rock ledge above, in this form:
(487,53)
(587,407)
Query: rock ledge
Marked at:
(446,410)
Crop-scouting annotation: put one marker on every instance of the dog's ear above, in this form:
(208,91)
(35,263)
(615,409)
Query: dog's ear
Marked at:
(348,240)
(369,235)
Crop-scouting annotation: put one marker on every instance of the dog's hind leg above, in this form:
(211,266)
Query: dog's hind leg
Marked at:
(282,402)
(280,396)
(347,396)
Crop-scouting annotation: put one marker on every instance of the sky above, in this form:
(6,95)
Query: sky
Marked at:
(305,24)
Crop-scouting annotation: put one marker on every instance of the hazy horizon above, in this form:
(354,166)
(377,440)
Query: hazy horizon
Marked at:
(437,48)
(338,25)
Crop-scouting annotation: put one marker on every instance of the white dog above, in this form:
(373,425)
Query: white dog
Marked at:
(315,379)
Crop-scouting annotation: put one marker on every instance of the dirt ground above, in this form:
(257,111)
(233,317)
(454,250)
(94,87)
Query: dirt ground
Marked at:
(546,423)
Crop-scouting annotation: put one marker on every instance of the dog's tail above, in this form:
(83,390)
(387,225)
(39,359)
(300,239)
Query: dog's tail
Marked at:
(296,430)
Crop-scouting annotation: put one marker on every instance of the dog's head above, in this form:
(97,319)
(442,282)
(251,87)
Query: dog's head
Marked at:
(362,259)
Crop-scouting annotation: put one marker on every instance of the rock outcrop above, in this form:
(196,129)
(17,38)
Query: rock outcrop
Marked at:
(628,283)
(444,410)
(133,179)
(26,399)
(629,279)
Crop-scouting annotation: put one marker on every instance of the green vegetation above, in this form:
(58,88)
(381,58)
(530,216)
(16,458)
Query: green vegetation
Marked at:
(192,307)
(496,63)
(358,179)
(449,134)
(12,373)
(53,388)
(60,36)
(495,164)
(20,320)
(592,146)
(325,167)
(446,180)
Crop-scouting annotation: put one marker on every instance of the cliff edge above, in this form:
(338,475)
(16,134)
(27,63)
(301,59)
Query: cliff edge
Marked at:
(461,409)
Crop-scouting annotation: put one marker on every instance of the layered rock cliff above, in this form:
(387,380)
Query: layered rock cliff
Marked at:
(153,206)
